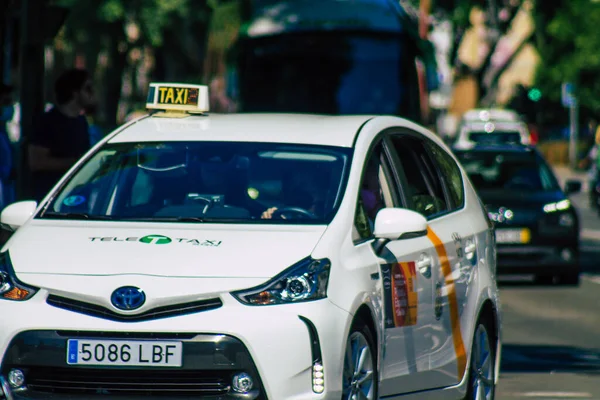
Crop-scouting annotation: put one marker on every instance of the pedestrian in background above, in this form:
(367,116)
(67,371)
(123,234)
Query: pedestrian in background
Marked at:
(96,134)
(7,167)
(219,101)
(591,163)
(61,135)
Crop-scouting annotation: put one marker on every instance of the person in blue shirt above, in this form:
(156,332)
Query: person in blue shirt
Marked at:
(7,171)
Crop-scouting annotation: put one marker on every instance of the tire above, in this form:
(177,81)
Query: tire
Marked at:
(366,379)
(544,279)
(570,278)
(482,369)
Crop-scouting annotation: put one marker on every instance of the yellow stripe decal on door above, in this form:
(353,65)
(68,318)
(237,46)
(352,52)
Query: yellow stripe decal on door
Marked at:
(459,346)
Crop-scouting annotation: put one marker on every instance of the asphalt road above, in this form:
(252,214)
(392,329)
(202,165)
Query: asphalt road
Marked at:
(551,334)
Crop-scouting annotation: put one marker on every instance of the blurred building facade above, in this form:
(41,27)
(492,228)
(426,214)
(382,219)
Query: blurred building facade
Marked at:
(493,61)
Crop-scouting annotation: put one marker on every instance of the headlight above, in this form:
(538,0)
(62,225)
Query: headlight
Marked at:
(557,206)
(303,281)
(10,287)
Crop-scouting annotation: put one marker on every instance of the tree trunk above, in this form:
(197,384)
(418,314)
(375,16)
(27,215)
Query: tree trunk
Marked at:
(113,79)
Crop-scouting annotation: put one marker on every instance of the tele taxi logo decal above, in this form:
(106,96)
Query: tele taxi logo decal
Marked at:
(157,240)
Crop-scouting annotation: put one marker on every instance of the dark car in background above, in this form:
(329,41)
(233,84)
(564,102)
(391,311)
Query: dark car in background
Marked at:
(537,226)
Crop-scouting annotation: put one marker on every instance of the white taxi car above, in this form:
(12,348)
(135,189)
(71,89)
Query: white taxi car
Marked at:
(491,127)
(252,257)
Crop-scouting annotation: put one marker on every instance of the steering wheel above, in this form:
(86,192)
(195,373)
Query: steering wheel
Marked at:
(207,203)
(298,211)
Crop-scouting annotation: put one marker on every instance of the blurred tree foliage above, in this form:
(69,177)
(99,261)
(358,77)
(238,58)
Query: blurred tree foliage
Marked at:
(459,11)
(125,43)
(569,44)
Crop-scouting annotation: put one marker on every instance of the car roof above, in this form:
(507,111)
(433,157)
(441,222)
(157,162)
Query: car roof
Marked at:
(324,130)
(498,125)
(500,148)
(491,114)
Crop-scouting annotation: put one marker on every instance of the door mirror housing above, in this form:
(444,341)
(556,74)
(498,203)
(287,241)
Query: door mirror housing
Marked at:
(16,214)
(572,186)
(399,223)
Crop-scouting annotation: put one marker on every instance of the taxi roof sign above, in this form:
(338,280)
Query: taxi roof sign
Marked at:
(178,97)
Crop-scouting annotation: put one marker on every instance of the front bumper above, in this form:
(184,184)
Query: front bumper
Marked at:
(273,344)
(526,259)
(210,363)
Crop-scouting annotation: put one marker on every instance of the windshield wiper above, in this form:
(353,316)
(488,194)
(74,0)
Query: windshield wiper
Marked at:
(166,219)
(190,219)
(79,216)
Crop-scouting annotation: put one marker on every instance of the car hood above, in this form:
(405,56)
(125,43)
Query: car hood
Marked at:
(74,248)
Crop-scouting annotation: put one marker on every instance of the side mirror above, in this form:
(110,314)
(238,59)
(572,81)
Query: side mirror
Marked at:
(572,186)
(16,214)
(398,224)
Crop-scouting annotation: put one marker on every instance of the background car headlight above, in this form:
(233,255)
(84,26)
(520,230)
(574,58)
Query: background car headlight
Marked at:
(303,281)
(557,206)
(10,287)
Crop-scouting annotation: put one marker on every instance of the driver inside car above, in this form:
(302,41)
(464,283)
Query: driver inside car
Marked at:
(304,193)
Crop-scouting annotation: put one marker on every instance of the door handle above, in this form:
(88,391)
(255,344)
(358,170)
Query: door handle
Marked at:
(424,265)
(470,247)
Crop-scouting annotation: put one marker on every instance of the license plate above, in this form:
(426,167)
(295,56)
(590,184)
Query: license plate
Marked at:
(513,236)
(124,353)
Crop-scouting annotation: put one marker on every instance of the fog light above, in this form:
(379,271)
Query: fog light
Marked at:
(318,375)
(566,254)
(242,383)
(16,378)
(566,220)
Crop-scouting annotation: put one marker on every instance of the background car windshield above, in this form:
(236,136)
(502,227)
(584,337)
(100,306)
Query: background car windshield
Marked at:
(497,137)
(215,181)
(330,73)
(502,171)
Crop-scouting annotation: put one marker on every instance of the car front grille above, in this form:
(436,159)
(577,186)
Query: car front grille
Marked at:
(80,381)
(155,313)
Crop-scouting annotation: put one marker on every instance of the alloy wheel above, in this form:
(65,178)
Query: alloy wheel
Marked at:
(359,373)
(482,366)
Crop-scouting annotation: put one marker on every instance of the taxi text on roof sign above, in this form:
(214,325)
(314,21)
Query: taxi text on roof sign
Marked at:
(178,97)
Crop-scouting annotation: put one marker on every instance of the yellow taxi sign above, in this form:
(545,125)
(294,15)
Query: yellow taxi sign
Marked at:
(178,97)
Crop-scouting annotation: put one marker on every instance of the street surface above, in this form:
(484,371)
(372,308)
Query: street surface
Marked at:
(551,335)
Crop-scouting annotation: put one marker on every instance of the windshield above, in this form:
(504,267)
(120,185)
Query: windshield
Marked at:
(505,171)
(205,182)
(496,137)
(330,73)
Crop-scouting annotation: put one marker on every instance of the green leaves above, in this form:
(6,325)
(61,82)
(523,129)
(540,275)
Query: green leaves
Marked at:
(571,51)
(111,11)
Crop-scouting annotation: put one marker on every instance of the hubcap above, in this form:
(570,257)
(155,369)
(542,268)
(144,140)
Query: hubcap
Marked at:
(482,367)
(358,369)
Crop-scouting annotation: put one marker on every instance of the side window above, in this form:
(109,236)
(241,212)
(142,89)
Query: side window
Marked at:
(375,194)
(422,187)
(450,174)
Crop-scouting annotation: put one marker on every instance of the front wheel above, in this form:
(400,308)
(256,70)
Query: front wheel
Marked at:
(482,385)
(360,377)
(570,278)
